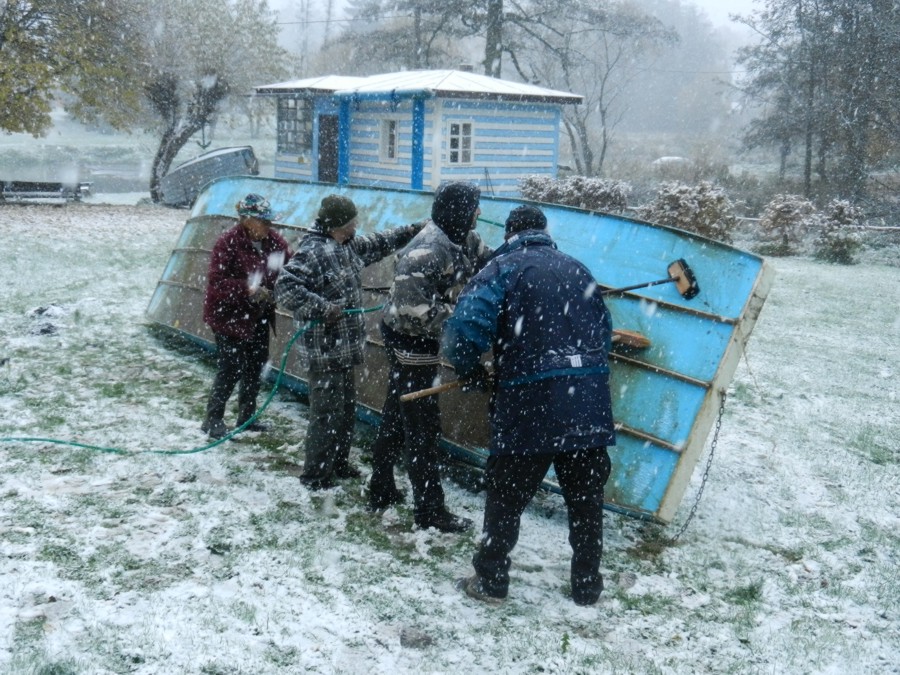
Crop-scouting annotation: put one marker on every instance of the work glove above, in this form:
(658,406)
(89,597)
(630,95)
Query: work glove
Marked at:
(332,315)
(264,299)
(262,296)
(480,379)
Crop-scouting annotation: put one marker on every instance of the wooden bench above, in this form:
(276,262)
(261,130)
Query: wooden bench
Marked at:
(14,190)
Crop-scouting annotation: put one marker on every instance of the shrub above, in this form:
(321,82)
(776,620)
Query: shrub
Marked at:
(785,221)
(594,194)
(837,241)
(703,208)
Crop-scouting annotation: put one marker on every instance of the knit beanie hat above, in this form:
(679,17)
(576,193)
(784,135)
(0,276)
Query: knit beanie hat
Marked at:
(336,211)
(525,217)
(255,206)
(454,208)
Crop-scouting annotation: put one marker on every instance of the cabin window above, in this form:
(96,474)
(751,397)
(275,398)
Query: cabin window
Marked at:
(295,116)
(460,143)
(389,140)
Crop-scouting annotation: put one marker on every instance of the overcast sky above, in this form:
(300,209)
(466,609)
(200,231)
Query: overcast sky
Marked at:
(718,10)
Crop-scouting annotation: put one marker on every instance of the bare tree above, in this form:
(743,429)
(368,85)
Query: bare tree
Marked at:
(400,34)
(588,48)
(200,52)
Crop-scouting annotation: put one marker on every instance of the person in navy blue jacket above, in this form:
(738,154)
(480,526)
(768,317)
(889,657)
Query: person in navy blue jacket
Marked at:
(541,313)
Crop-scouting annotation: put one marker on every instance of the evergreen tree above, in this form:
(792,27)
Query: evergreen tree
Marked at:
(826,75)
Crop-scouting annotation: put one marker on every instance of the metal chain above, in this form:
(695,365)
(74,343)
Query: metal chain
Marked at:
(709,461)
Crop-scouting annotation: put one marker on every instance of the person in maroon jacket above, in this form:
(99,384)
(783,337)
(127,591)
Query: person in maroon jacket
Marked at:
(240,308)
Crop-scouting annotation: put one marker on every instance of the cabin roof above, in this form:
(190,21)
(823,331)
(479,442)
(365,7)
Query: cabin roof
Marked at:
(430,83)
(324,84)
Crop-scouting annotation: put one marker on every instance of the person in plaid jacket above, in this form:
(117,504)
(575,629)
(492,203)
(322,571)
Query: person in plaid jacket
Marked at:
(318,284)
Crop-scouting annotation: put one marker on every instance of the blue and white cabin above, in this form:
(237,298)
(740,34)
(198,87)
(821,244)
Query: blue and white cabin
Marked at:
(417,129)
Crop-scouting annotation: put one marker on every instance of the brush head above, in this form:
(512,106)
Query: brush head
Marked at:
(684,278)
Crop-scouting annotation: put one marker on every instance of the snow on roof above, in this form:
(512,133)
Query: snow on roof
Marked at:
(444,83)
(323,83)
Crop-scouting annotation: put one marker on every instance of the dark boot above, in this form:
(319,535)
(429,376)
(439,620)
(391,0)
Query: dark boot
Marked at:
(316,483)
(443,521)
(214,427)
(346,470)
(255,425)
(383,500)
(474,587)
(586,590)
(246,411)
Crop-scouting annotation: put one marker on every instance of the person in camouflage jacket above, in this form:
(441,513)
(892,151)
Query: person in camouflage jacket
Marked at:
(318,284)
(430,273)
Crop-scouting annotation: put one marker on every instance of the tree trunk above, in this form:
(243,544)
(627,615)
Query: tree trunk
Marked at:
(573,142)
(493,42)
(169,146)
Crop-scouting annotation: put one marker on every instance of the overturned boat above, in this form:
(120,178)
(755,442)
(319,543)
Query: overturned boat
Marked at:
(668,380)
(182,184)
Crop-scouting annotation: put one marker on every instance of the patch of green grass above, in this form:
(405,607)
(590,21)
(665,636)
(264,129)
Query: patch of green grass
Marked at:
(868,442)
(165,497)
(836,543)
(219,540)
(368,528)
(743,392)
(282,513)
(59,554)
(805,521)
(274,442)
(29,634)
(113,389)
(648,603)
(29,663)
(66,667)
(282,657)
(791,555)
(219,669)
(652,543)
(748,594)
(51,420)
(243,611)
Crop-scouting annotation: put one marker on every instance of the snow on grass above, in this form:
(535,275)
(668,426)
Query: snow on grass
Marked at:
(221,562)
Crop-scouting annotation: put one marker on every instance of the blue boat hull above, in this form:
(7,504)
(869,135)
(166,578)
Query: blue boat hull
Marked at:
(666,397)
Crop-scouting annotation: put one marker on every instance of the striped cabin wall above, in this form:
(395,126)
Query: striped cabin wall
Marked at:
(293,166)
(369,164)
(509,140)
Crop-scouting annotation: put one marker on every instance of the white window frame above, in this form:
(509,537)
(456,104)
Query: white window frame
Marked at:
(389,147)
(460,143)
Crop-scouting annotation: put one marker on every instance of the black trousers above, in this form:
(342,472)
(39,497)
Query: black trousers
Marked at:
(414,429)
(332,414)
(238,361)
(512,482)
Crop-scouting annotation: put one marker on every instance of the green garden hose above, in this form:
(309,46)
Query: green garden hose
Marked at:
(228,436)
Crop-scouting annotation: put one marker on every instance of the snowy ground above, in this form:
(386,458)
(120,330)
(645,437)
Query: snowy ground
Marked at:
(220,562)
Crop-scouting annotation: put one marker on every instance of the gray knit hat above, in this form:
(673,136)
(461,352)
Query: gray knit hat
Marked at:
(336,211)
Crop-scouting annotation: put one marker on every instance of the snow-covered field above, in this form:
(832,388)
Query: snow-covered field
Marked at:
(221,562)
